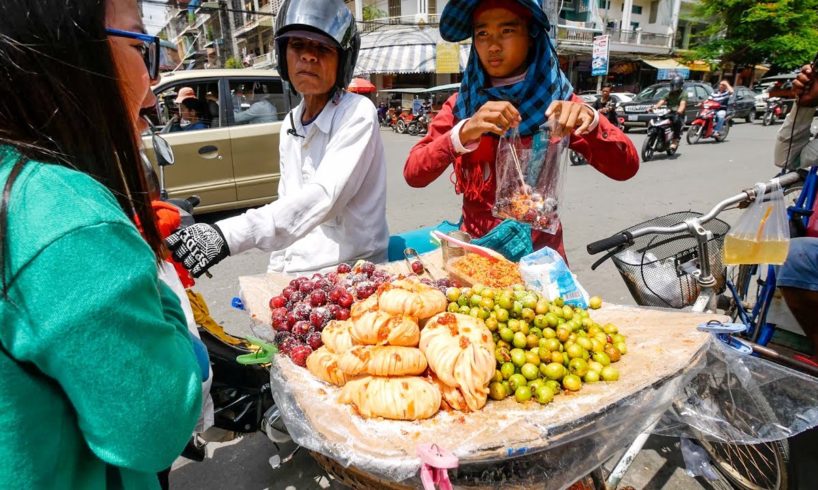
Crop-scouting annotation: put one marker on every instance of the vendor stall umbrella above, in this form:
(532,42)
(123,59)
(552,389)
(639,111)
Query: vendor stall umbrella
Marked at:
(361,86)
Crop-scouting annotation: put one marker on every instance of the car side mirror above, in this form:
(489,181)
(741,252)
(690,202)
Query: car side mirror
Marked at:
(163,151)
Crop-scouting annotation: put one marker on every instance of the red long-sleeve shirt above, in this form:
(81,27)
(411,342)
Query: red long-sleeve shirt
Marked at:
(606,148)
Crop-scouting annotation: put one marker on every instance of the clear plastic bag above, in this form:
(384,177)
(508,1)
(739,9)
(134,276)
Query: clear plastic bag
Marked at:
(529,179)
(546,272)
(761,235)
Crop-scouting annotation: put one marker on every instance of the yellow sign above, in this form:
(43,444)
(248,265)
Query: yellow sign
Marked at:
(448,58)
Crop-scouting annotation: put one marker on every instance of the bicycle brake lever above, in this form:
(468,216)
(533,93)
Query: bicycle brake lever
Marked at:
(607,256)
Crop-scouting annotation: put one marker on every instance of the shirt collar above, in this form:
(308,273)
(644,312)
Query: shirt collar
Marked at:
(324,119)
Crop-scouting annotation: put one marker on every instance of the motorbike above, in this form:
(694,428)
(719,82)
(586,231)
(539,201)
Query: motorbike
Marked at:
(420,125)
(659,136)
(775,110)
(403,120)
(241,391)
(705,123)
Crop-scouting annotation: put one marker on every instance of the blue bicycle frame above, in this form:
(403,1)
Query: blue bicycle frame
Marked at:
(756,320)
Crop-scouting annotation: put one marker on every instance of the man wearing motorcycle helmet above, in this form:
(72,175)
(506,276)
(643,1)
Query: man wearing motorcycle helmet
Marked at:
(331,203)
(676,101)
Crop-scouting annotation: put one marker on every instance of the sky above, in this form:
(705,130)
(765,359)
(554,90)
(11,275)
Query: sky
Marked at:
(154,16)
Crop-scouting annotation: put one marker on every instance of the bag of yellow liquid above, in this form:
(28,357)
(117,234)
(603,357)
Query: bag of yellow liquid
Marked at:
(762,234)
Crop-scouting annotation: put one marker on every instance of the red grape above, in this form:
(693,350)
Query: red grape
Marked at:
(417,267)
(364,290)
(336,294)
(346,300)
(319,317)
(296,297)
(343,314)
(368,268)
(279,321)
(306,286)
(287,344)
(333,311)
(277,302)
(300,353)
(318,298)
(301,329)
(314,340)
(332,277)
(302,311)
(344,268)
(287,292)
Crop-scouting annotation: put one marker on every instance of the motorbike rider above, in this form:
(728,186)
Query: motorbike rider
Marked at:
(331,203)
(722,97)
(606,106)
(676,101)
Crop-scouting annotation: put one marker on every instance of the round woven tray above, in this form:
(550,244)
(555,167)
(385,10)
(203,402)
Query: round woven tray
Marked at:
(353,477)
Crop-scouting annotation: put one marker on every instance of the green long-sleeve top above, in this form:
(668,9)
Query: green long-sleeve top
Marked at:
(108,379)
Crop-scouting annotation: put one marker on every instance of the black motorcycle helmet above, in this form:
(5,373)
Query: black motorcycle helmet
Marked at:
(331,18)
(676,83)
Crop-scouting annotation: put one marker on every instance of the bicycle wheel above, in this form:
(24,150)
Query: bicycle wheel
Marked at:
(763,466)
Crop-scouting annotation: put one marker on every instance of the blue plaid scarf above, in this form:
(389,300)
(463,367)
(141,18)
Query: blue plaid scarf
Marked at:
(543,83)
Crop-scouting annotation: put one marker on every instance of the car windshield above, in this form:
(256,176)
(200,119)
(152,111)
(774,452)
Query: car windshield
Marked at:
(654,92)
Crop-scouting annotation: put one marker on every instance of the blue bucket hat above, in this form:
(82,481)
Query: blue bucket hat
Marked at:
(456,19)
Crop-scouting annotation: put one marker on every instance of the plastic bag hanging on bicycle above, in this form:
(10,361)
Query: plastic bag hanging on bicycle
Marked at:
(761,235)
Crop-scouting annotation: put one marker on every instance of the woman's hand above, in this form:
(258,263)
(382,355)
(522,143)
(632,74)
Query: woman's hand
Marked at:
(569,117)
(494,117)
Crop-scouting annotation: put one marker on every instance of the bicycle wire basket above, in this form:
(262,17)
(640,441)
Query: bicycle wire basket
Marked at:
(651,266)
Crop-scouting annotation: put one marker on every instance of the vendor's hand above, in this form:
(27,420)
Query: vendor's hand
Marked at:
(198,247)
(494,117)
(569,117)
(805,86)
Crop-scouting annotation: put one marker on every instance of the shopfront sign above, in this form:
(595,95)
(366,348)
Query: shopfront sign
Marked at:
(447,58)
(600,56)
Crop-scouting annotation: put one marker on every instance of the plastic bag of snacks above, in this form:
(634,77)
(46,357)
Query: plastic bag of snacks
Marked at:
(762,234)
(546,272)
(529,183)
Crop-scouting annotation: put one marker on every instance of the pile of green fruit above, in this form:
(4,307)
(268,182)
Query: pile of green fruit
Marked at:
(542,347)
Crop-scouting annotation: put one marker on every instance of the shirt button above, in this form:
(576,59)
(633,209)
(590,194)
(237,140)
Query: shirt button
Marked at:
(604,134)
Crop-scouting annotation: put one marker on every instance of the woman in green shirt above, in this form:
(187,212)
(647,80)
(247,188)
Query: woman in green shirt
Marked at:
(99,383)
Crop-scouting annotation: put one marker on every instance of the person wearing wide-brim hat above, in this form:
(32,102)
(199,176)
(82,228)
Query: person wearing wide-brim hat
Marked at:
(512,79)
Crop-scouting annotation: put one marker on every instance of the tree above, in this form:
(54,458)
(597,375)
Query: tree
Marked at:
(372,12)
(783,33)
(233,63)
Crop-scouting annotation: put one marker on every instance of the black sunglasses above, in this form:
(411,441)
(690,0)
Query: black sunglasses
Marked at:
(149,49)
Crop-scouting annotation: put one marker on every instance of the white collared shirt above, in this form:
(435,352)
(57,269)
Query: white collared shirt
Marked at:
(331,203)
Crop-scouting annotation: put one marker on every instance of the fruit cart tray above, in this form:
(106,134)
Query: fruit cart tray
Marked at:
(664,352)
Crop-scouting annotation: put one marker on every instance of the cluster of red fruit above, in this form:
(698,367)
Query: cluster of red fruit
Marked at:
(307,304)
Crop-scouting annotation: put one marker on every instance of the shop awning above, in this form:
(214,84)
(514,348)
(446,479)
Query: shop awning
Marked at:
(402,49)
(419,58)
(668,68)
(664,64)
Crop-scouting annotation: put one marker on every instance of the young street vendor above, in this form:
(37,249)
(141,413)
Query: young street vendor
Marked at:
(331,203)
(512,79)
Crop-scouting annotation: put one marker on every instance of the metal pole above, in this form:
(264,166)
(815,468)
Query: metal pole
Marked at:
(226,28)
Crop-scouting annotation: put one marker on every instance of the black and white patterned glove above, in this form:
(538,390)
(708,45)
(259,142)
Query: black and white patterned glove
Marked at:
(198,247)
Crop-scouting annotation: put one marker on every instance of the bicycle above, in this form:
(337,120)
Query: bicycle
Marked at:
(679,265)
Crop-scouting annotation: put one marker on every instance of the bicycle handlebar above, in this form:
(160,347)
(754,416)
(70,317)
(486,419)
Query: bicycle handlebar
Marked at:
(628,236)
(609,243)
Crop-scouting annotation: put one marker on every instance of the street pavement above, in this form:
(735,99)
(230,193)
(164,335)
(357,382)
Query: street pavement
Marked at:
(593,207)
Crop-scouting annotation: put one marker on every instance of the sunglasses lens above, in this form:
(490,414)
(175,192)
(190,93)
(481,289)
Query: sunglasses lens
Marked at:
(152,60)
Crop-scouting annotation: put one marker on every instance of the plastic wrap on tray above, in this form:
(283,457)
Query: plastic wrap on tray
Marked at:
(669,375)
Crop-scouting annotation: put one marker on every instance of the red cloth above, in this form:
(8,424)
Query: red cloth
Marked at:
(168,221)
(606,148)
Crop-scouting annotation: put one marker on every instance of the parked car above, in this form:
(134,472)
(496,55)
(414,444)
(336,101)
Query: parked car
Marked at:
(745,103)
(233,163)
(635,113)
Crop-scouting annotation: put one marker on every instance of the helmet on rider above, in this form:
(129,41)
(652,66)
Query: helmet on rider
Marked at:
(328,20)
(676,83)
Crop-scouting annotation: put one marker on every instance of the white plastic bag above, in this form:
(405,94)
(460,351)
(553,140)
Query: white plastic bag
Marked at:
(762,234)
(546,272)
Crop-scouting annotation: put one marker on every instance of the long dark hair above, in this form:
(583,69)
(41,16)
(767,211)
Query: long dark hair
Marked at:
(60,101)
